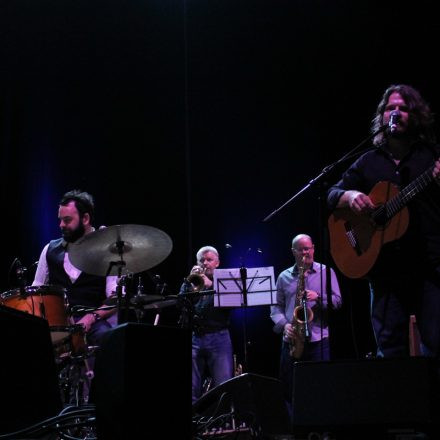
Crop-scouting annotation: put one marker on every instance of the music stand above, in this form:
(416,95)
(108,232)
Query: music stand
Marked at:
(243,287)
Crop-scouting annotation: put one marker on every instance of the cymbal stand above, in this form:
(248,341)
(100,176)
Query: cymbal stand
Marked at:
(123,281)
(137,301)
(122,317)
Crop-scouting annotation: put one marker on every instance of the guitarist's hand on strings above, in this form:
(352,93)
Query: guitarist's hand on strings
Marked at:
(436,171)
(357,201)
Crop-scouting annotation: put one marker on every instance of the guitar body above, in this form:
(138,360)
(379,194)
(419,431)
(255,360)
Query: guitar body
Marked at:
(356,241)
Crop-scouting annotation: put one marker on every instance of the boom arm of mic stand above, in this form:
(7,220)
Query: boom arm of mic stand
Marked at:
(326,170)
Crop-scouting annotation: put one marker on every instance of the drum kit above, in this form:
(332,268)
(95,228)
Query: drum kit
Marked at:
(120,250)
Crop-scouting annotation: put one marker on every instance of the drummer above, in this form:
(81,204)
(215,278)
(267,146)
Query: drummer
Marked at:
(76,215)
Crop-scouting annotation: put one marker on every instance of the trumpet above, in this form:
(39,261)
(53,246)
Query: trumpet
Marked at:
(196,279)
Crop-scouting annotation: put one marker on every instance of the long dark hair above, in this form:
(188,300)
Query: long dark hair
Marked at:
(421,118)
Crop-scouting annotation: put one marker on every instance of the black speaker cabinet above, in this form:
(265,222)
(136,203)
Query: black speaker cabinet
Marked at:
(142,385)
(256,401)
(29,383)
(381,393)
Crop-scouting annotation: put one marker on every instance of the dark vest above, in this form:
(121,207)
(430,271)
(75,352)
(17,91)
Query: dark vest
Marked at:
(87,290)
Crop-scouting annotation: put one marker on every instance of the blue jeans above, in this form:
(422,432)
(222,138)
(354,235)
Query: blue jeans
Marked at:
(211,356)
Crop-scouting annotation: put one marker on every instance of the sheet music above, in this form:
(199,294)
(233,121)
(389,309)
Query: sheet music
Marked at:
(260,287)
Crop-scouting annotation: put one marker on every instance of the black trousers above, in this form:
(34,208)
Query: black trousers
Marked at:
(394,299)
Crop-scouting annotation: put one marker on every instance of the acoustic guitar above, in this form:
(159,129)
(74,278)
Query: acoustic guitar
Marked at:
(356,240)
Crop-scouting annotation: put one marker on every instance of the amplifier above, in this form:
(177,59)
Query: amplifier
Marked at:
(30,390)
(384,393)
(142,384)
(245,401)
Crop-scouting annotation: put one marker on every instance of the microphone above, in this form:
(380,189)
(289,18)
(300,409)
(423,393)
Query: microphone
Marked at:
(394,119)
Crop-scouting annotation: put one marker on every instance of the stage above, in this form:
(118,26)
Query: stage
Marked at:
(142,389)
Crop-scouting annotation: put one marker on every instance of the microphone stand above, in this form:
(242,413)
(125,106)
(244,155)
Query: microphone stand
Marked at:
(328,169)
(321,180)
(243,276)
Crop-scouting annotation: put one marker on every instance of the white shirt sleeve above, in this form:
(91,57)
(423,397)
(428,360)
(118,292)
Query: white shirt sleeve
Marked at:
(42,272)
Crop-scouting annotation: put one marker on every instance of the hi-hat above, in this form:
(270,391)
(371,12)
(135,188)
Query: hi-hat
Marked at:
(137,300)
(157,305)
(145,299)
(120,249)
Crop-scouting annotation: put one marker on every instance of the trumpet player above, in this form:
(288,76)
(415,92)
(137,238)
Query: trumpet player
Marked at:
(212,353)
(313,343)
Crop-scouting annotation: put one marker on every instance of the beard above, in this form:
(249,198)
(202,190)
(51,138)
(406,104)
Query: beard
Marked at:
(72,235)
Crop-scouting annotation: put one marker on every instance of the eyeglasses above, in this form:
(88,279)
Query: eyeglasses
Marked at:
(304,249)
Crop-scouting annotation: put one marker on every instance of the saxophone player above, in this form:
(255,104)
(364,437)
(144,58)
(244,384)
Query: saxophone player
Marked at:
(309,337)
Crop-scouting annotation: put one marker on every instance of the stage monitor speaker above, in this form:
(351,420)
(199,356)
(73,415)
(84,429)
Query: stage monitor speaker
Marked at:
(30,390)
(142,384)
(256,402)
(380,393)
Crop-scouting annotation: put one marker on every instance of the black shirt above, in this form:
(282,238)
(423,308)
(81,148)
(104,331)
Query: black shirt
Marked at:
(420,245)
(205,317)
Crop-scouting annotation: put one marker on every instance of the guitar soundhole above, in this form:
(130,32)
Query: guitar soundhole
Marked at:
(380,216)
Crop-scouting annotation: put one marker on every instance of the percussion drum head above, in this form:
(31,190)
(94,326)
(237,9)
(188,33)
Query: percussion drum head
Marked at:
(46,301)
(45,289)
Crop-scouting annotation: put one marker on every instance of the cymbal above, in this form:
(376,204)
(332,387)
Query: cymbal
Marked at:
(160,304)
(120,248)
(137,301)
(145,299)
(113,300)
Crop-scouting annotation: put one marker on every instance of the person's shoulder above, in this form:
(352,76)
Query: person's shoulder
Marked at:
(53,244)
(286,272)
(317,266)
(372,154)
(420,145)
(366,158)
(56,242)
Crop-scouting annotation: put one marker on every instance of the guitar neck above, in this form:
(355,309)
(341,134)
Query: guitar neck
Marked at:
(395,204)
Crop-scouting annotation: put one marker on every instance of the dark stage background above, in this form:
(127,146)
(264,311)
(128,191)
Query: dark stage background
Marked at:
(199,118)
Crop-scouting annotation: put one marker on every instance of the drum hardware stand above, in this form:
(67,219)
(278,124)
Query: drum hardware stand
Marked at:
(137,301)
(160,288)
(21,272)
(120,266)
(75,380)
(122,282)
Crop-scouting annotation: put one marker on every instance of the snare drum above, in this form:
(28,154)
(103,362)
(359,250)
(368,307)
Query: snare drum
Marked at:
(48,302)
(73,345)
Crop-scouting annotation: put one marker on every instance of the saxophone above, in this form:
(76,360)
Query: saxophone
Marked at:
(301,315)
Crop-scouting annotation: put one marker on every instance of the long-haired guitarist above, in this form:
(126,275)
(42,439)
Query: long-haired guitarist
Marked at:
(385,222)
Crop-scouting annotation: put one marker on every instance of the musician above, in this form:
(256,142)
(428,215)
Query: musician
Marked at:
(212,353)
(405,278)
(76,214)
(317,346)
